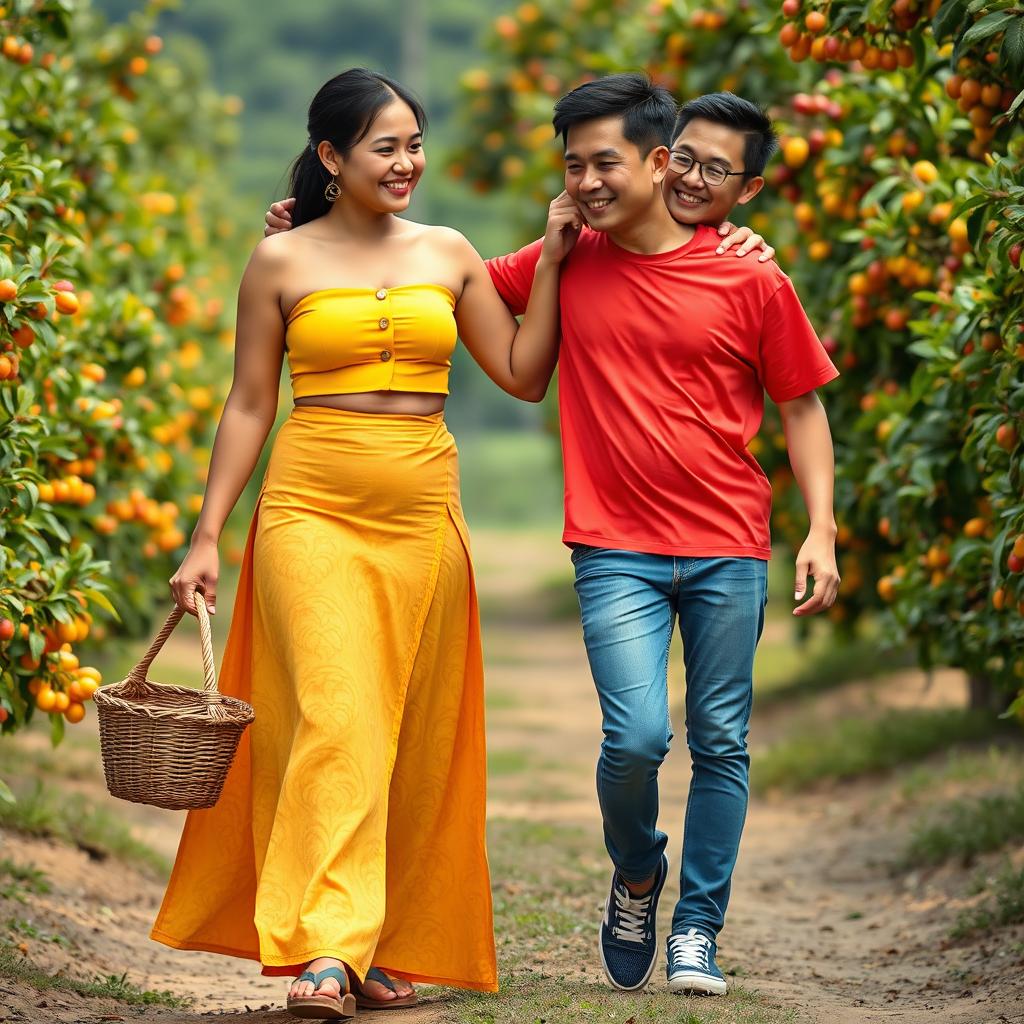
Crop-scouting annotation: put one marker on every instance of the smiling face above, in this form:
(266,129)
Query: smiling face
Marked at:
(689,198)
(613,185)
(382,169)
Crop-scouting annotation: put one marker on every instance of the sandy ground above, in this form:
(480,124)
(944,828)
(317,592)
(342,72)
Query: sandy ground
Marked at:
(818,921)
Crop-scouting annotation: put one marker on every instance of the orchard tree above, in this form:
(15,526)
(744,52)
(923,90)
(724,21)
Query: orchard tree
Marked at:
(897,202)
(112,338)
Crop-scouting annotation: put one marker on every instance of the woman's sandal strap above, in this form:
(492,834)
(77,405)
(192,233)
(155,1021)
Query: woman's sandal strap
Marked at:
(337,973)
(377,975)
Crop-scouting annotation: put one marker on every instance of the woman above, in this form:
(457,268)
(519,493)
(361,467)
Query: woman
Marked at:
(350,833)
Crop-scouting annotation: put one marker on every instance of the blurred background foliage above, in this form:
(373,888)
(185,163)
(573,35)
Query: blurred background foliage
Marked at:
(140,158)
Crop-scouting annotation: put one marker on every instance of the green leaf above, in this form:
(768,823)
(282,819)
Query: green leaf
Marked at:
(1012,50)
(948,17)
(970,204)
(56,729)
(98,597)
(6,796)
(988,26)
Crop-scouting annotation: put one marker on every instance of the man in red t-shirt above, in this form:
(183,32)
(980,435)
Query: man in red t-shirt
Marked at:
(667,349)
(666,353)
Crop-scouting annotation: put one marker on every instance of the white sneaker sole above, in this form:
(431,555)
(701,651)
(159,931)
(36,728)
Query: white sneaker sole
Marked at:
(703,985)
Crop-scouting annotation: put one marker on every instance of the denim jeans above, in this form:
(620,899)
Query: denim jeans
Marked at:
(629,603)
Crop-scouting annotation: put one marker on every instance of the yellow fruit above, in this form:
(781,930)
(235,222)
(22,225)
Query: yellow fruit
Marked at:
(926,171)
(795,152)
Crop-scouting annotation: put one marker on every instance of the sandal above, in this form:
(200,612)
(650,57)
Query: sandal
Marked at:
(324,1007)
(365,1002)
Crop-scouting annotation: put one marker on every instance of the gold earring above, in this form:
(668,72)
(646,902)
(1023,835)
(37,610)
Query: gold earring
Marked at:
(332,192)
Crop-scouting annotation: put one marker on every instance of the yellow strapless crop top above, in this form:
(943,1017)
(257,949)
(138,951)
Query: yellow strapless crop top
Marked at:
(344,340)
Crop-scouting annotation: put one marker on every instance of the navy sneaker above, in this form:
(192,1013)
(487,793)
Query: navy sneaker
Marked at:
(629,945)
(691,965)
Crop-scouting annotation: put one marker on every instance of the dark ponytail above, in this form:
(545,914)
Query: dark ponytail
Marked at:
(341,113)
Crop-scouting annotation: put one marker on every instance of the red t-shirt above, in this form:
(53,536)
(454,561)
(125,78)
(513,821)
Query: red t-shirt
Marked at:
(664,363)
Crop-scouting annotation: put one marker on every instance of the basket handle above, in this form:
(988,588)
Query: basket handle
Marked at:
(138,675)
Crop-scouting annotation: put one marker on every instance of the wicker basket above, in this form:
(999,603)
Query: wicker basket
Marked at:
(170,746)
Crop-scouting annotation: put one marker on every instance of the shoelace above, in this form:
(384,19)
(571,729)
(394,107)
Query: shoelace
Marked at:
(631,915)
(689,948)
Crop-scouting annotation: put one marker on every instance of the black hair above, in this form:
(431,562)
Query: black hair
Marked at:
(341,113)
(647,110)
(760,139)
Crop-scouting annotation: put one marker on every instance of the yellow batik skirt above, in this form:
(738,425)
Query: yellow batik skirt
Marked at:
(352,821)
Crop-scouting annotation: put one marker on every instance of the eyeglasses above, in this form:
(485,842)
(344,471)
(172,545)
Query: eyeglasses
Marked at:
(712,174)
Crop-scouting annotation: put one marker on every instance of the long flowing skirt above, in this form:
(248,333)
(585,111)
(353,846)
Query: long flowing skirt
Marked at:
(352,821)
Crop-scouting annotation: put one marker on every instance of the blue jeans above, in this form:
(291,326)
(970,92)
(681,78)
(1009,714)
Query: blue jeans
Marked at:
(629,602)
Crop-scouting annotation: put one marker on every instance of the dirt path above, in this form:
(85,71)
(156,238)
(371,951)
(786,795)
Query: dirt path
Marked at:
(817,921)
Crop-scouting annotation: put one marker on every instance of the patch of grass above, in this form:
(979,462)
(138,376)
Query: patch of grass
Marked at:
(548,883)
(528,996)
(794,671)
(21,969)
(855,747)
(970,827)
(994,764)
(1005,906)
(42,810)
(18,882)
(501,700)
(22,928)
(516,762)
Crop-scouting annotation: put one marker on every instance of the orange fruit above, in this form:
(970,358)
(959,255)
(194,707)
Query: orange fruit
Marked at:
(8,290)
(46,698)
(74,713)
(67,302)
(795,152)
(815,21)
(975,527)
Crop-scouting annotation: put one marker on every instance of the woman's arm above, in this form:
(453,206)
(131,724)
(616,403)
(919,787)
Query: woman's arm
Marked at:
(245,423)
(519,358)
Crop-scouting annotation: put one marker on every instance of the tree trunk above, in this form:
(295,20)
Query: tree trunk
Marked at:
(983,696)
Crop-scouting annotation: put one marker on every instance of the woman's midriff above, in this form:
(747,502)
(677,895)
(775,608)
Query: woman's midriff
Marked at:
(401,403)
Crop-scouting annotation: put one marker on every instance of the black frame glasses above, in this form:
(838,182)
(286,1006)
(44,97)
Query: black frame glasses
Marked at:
(683,162)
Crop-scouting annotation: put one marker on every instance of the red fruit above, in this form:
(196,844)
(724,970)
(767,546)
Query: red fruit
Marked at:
(790,8)
(816,139)
(24,336)
(1006,436)
(1014,563)
(1015,251)
(6,629)
(803,103)
(63,286)
(829,344)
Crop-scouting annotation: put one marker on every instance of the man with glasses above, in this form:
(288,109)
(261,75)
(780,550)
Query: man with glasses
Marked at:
(666,353)
(667,350)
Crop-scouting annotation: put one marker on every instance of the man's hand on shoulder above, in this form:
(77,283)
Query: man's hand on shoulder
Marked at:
(279,216)
(745,238)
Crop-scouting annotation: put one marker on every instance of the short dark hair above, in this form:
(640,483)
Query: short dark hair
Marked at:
(342,112)
(647,110)
(735,112)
